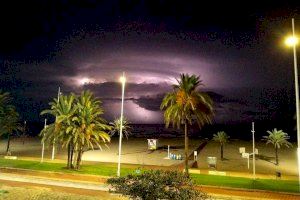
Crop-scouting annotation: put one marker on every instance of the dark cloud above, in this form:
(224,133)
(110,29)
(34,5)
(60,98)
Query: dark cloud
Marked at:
(150,102)
(51,44)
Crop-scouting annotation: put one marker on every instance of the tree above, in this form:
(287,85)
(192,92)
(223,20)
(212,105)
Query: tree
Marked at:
(278,138)
(157,184)
(78,125)
(9,118)
(185,104)
(116,124)
(222,138)
(89,128)
(63,110)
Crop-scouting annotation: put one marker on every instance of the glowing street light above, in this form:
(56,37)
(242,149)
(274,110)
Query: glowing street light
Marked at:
(123,81)
(292,41)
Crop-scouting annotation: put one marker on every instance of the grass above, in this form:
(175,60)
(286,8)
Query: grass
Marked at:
(247,183)
(95,169)
(104,169)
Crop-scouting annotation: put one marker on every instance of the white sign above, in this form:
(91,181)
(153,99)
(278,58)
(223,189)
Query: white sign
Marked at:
(245,155)
(212,162)
(242,149)
(195,156)
(152,144)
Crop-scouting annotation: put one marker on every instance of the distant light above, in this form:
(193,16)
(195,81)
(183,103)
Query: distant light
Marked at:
(291,41)
(84,81)
(122,79)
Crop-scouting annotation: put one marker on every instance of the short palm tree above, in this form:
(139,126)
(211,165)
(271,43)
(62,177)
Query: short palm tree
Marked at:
(278,138)
(116,124)
(63,111)
(78,125)
(222,138)
(185,104)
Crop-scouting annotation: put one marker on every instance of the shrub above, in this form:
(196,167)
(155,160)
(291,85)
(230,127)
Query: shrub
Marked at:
(156,184)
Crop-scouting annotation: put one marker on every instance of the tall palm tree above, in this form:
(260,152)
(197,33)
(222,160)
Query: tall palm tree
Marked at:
(9,118)
(278,138)
(116,124)
(186,104)
(222,138)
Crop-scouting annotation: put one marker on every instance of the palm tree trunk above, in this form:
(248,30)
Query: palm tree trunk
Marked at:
(69,154)
(78,162)
(75,155)
(71,157)
(222,152)
(8,145)
(186,148)
(276,155)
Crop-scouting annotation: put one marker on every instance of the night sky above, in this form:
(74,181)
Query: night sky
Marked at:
(237,49)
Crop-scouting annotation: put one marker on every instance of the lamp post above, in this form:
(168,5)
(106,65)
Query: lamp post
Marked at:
(43,143)
(253,149)
(123,80)
(292,41)
(53,145)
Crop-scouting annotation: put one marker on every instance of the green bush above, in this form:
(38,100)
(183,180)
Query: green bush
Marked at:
(156,184)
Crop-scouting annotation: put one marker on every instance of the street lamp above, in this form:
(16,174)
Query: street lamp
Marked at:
(122,80)
(53,145)
(43,143)
(292,41)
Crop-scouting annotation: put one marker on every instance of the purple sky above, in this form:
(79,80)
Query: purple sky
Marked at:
(89,45)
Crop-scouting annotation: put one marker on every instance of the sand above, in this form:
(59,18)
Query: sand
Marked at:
(135,151)
(264,163)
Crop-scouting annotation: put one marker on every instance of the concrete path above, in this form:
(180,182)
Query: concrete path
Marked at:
(53,182)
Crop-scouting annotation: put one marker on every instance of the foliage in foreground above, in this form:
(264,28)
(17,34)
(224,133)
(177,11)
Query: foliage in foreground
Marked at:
(156,184)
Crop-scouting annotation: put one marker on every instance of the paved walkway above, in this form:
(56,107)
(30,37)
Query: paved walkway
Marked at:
(53,182)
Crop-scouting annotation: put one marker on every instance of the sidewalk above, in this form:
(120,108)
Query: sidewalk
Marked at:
(54,182)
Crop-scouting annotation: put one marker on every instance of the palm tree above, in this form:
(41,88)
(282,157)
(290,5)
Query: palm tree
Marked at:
(64,110)
(89,128)
(185,104)
(222,138)
(9,118)
(126,129)
(278,138)
(78,125)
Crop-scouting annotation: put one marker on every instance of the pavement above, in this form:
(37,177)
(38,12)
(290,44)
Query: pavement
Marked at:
(53,182)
